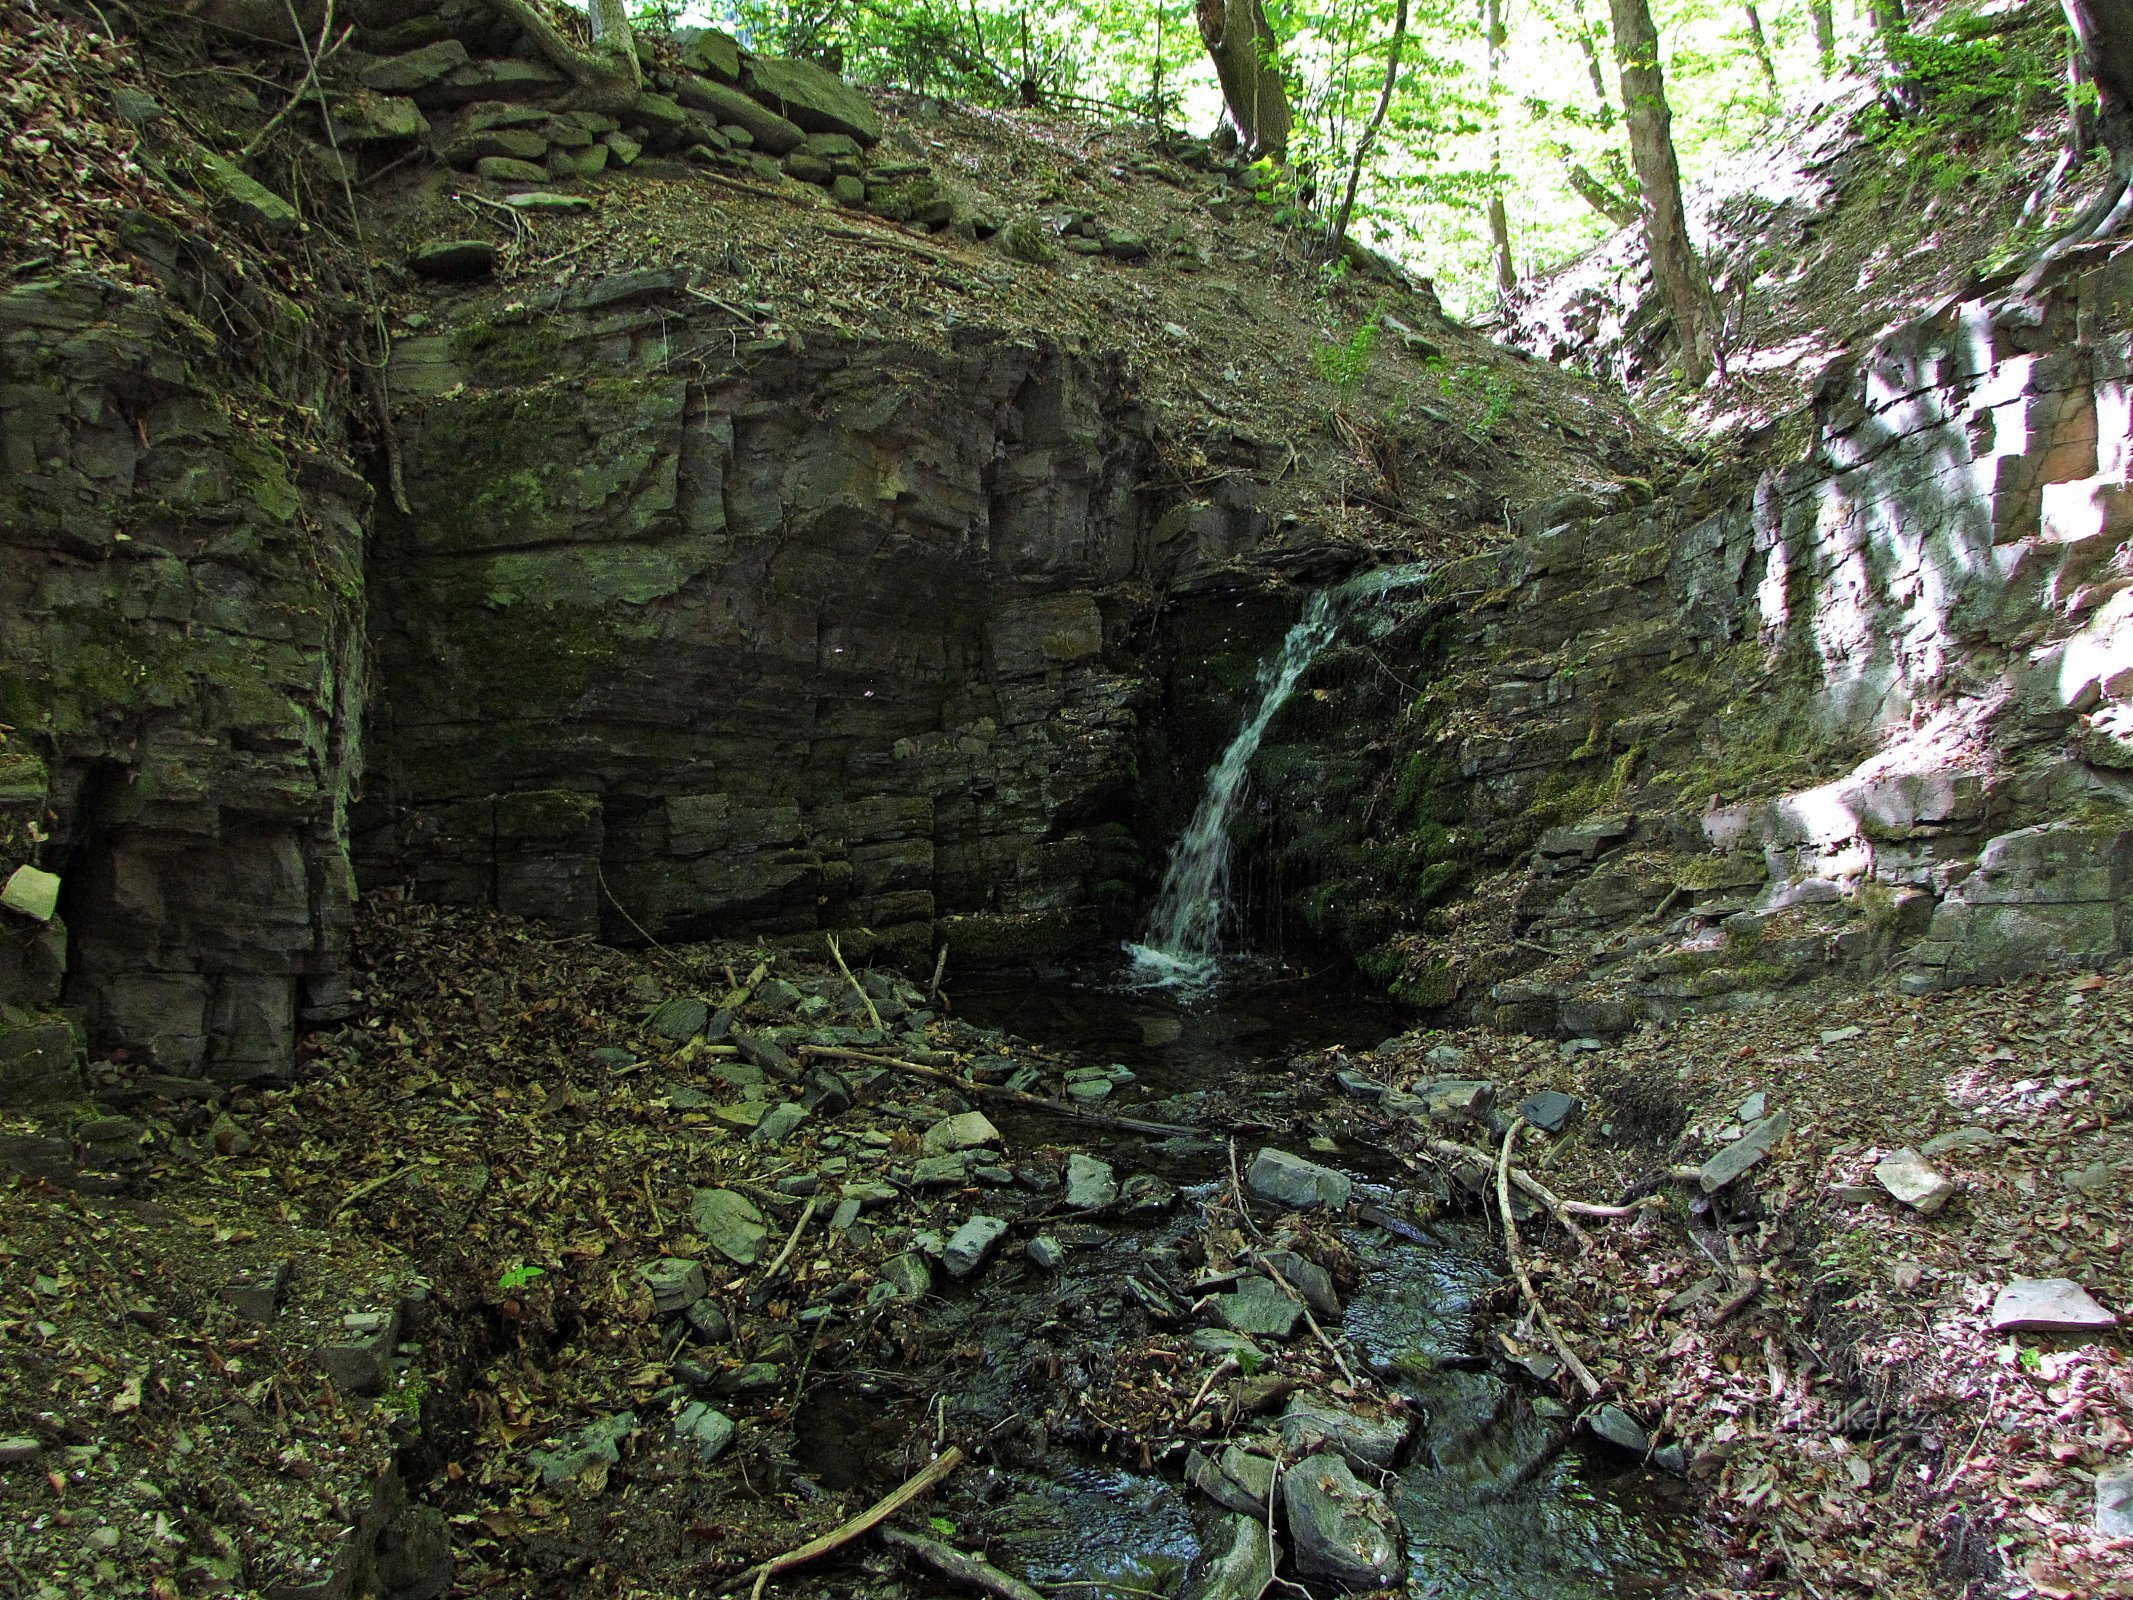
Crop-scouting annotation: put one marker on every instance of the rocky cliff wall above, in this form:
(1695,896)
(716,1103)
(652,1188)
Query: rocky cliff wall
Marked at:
(182,667)
(773,638)
(1869,707)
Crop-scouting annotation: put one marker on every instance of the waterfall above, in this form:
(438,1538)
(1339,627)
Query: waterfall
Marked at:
(1183,944)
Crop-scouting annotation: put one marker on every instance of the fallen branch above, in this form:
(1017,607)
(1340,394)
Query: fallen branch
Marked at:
(1223,1368)
(1563,1351)
(1746,1285)
(313,60)
(1260,1261)
(845,1532)
(1035,1102)
(807,1215)
(1549,1200)
(859,989)
(957,1567)
(370,1188)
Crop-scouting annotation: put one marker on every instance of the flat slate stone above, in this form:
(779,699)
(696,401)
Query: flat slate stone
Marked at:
(970,1130)
(547,200)
(1620,1429)
(1551,1110)
(1294,1182)
(1960,1141)
(676,1285)
(704,1429)
(970,1244)
(1257,1306)
(1310,1425)
(680,1019)
(1307,1278)
(1089,1182)
(1910,1178)
(815,99)
(1744,1152)
(2048,1305)
(731,1222)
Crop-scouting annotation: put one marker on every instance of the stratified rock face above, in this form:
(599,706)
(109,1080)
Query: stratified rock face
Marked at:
(1867,707)
(181,583)
(773,641)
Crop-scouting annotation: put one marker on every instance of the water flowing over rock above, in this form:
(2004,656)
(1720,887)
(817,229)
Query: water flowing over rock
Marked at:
(1184,935)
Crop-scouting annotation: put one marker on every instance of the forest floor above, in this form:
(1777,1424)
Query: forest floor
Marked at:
(510,1133)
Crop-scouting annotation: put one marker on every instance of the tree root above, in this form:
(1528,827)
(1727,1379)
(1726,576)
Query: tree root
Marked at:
(1568,1356)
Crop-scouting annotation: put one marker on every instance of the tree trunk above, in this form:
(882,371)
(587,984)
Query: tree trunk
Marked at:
(1676,271)
(1499,218)
(2104,31)
(1888,19)
(1760,44)
(605,78)
(1247,60)
(1825,24)
(1370,133)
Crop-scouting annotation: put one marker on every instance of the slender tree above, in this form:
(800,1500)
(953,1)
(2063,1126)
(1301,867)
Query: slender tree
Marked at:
(1370,132)
(1247,58)
(1612,200)
(1824,18)
(1759,42)
(1676,271)
(2103,29)
(1492,22)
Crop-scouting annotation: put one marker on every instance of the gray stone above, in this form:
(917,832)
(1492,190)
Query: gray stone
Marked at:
(676,1284)
(1307,1278)
(1045,1253)
(1619,1428)
(779,1123)
(416,70)
(1235,1479)
(1744,1152)
(359,117)
(771,132)
(1551,1110)
(597,1443)
(968,1131)
(707,1321)
(934,1171)
(764,1053)
(775,994)
(804,168)
(970,1244)
(1236,1561)
(2094,1180)
(708,1432)
(515,169)
(1258,1306)
(1145,1197)
(255,1294)
(819,101)
(1310,1425)
(2114,1501)
(1453,1101)
(680,1019)
(2048,1305)
(1089,1182)
(19,1449)
(711,51)
(730,1222)
(1343,1530)
(1910,1178)
(908,1275)
(1294,1182)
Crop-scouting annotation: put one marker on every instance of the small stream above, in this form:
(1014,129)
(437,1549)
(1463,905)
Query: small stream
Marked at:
(1499,1499)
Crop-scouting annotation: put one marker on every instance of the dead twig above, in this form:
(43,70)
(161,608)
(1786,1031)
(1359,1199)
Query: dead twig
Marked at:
(1260,1261)
(859,989)
(845,1532)
(314,59)
(362,1190)
(1532,1186)
(807,1215)
(1569,1358)
(957,1567)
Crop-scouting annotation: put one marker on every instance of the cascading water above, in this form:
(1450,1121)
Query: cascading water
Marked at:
(1183,946)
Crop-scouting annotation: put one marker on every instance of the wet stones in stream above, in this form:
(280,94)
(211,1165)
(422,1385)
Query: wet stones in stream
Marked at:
(1237,1561)
(1343,1529)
